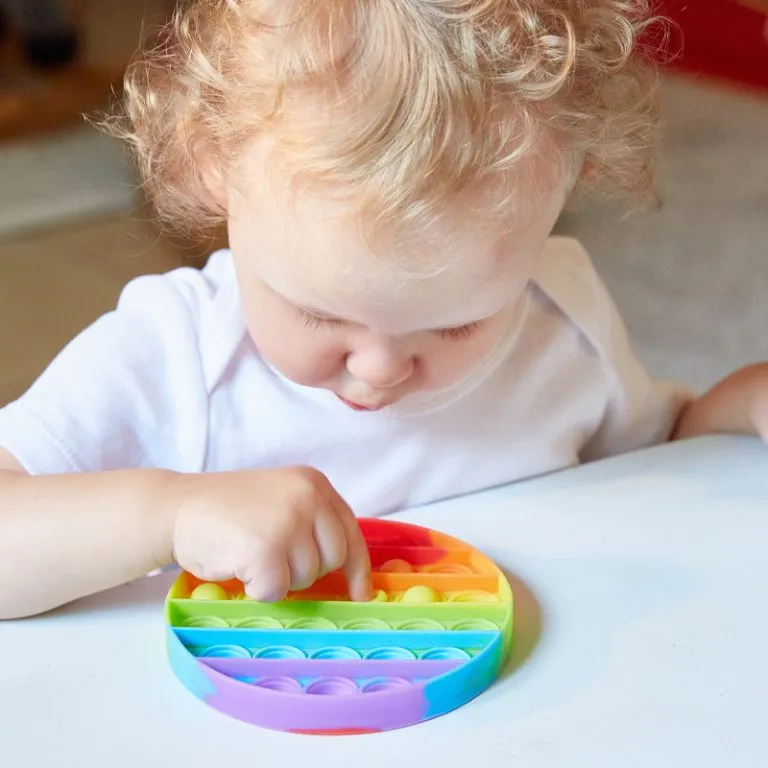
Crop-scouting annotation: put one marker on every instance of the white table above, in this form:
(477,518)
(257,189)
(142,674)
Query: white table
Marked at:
(642,640)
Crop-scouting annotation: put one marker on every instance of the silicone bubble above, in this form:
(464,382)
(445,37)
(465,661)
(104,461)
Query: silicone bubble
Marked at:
(390,653)
(396,566)
(279,652)
(444,654)
(421,625)
(371,624)
(226,652)
(448,568)
(420,594)
(312,622)
(259,622)
(475,625)
(335,652)
(206,622)
(332,686)
(379,597)
(474,596)
(209,591)
(280,684)
(385,684)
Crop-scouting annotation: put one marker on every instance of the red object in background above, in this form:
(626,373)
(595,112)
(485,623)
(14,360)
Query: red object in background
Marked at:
(724,39)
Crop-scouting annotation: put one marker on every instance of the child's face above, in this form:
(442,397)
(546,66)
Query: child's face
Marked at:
(419,314)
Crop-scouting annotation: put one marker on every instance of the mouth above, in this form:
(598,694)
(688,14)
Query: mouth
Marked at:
(358,407)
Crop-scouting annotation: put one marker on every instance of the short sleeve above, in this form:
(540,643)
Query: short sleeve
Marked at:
(638,410)
(128,392)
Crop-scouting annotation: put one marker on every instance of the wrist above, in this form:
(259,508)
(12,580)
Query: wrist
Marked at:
(161,510)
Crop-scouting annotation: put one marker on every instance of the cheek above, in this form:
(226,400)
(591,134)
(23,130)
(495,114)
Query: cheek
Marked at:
(451,361)
(301,354)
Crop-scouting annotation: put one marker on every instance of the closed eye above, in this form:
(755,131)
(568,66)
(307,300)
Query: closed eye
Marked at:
(460,333)
(316,321)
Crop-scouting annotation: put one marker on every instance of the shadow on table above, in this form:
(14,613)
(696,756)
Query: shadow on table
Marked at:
(527,624)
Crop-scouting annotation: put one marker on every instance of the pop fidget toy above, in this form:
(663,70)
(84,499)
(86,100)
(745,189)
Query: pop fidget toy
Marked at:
(436,634)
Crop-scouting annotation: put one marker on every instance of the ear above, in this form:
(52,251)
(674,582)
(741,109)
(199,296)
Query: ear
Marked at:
(588,171)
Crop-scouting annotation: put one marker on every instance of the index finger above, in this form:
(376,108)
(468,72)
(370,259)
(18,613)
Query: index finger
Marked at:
(357,567)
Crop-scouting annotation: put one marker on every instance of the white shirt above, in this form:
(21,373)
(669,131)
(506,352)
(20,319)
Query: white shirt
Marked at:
(172,379)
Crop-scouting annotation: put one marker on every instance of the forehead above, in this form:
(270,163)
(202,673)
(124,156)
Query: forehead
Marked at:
(316,251)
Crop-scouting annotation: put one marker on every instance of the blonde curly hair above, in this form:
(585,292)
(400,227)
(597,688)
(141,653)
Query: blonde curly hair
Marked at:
(394,103)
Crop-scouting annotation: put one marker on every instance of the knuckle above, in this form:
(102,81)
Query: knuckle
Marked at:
(312,477)
(305,574)
(336,554)
(307,488)
(257,553)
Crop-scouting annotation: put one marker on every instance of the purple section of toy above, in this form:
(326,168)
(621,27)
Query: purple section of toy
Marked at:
(328,704)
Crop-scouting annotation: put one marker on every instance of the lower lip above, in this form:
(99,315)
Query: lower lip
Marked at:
(355,406)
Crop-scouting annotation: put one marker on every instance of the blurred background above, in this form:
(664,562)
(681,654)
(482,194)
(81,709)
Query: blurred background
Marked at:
(691,279)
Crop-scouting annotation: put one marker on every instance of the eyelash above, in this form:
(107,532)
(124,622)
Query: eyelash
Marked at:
(448,334)
(315,322)
(460,333)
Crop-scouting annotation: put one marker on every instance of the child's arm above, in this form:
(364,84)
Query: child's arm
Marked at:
(66,536)
(738,404)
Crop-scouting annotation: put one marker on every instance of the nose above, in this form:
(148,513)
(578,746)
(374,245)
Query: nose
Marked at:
(380,365)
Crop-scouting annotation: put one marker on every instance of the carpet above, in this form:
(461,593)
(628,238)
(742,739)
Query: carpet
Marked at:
(692,279)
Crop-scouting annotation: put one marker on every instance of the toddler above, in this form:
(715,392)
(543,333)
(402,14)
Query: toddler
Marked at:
(393,323)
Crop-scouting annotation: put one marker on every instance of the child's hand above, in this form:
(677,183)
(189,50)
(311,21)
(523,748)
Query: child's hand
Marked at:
(737,405)
(274,530)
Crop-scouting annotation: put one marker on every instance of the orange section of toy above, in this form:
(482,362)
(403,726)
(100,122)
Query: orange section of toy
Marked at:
(402,558)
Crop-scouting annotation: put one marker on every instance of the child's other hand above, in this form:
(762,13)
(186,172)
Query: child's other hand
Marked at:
(275,530)
(737,405)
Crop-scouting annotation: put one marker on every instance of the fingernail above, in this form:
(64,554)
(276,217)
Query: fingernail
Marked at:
(366,591)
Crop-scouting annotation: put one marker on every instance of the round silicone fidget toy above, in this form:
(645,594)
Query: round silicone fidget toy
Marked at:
(436,634)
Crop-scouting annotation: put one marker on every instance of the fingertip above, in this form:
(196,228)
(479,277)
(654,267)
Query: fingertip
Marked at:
(357,568)
(366,591)
(266,596)
(269,585)
(360,585)
(365,577)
